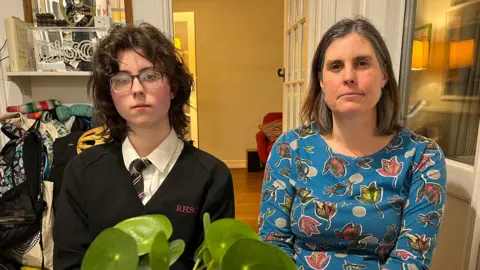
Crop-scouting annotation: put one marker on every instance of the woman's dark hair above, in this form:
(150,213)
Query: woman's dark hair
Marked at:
(316,110)
(151,44)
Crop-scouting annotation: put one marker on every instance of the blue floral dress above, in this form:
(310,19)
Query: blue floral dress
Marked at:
(330,211)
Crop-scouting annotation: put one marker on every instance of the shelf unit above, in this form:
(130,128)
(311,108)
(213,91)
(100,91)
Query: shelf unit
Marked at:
(66,86)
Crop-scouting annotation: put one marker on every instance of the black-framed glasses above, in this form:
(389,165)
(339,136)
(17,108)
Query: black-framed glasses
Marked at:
(123,83)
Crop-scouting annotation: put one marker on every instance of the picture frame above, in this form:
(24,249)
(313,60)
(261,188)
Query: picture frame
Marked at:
(423,32)
(458,2)
(461,74)
(422,40)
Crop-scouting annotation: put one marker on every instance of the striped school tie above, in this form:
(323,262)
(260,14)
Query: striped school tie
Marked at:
(136,168)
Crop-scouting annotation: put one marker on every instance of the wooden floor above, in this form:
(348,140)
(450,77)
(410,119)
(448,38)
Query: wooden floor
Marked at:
(247,195)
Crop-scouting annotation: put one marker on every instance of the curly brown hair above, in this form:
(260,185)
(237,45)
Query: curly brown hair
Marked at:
(151,44)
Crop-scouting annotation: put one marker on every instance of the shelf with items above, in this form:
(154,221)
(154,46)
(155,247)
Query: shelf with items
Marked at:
(64,48)
(50,62)
(68,29)
(51,48)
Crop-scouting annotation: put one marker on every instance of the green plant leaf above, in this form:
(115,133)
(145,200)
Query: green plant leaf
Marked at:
(144,228)
(213,266)
(176,249)
(144,263)
(206,221)
(207,256)
(111,249)
(198,253)
(160,252)
(223,233)
(254,255)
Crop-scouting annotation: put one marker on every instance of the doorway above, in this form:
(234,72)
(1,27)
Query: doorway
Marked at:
(238,49)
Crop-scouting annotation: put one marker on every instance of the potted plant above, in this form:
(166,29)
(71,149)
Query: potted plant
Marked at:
(142,243)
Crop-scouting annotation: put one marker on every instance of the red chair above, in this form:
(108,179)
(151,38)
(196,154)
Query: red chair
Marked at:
(264,146)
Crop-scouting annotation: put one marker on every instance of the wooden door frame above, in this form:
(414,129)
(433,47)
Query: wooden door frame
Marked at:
(189,17)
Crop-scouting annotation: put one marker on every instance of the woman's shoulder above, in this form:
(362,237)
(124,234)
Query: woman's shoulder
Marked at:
(299,133)
(414,146)
(417,140)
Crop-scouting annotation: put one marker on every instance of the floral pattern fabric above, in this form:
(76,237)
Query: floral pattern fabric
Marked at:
(330,211)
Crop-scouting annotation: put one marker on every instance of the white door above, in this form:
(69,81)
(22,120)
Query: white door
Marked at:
(452,121)
(294,60)
(184,40)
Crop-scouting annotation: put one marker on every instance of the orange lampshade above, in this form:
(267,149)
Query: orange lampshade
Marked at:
(461,53)
(420,54)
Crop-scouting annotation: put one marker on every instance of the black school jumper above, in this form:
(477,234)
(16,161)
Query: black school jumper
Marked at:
(97,193)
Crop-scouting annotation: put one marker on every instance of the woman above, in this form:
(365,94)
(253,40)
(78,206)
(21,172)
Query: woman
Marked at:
(139,88)
(352,189)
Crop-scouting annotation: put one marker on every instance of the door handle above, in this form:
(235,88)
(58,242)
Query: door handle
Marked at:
(281,73)
(415,109)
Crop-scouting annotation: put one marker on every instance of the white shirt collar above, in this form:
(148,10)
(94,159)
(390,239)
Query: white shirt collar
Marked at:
(159,157)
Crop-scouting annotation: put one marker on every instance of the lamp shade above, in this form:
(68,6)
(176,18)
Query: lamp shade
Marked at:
(420,54)
(461,53)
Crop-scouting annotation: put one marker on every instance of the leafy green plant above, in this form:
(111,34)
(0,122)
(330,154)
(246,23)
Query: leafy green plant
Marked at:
(143,243)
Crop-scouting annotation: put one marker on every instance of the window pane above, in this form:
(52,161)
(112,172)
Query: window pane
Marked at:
(301,8)
(291,89)
(297,52)
(301,52)
(288,59)
(293,11)
(292,53)
(445,76)
(289,8)
(298,104)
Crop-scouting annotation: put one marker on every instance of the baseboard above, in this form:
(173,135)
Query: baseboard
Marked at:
(236,164)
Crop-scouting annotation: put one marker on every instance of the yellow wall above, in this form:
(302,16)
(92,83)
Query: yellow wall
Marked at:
(239,47)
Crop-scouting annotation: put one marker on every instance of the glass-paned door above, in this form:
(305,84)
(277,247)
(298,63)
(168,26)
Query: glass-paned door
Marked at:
(295,37)
(442,98)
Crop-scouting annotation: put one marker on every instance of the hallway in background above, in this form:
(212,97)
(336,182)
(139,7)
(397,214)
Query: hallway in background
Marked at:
(247,187)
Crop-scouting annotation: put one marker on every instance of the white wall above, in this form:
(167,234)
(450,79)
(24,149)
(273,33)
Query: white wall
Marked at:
(9,8)
(386,15)
(9,92)
(156,12)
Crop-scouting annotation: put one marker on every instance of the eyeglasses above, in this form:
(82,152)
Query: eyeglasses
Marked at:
(123,83)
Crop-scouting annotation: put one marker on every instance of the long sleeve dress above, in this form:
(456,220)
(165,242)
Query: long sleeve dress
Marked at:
(330,211)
